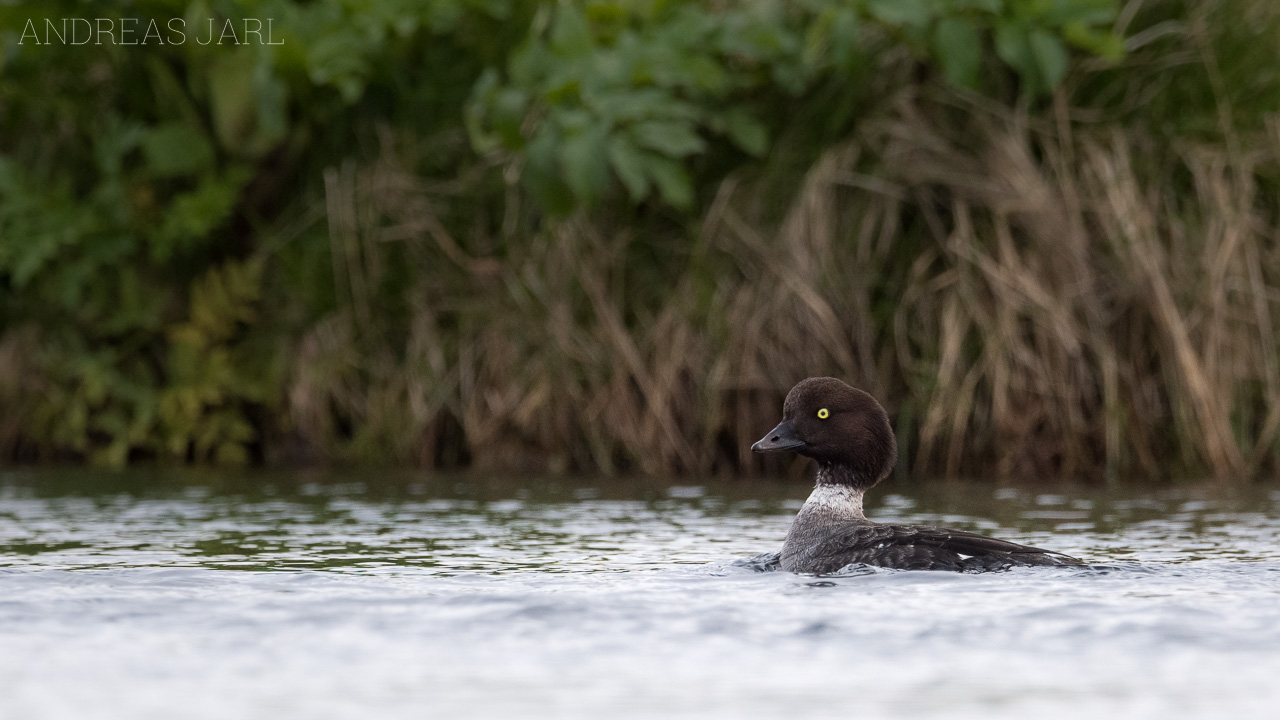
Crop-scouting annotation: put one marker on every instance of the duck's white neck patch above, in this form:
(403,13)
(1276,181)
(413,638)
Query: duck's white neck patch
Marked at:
(839,501)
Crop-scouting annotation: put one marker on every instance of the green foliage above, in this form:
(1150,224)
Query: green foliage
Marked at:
(130,182)
(197,411)
(630,92)
(162,208)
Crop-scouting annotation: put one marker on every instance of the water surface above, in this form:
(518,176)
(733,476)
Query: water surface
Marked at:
(284,596)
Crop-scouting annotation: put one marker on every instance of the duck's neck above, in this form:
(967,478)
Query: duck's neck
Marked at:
(843,476)
(836,499)
(830,502)
(837,495)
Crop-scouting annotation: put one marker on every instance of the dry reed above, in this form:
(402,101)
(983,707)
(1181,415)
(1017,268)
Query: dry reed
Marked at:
(1027,297)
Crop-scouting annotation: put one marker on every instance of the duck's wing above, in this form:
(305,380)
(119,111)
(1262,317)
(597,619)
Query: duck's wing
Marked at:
(917,547)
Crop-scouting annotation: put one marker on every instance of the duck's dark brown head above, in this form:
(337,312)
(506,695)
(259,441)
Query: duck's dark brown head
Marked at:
(841,427)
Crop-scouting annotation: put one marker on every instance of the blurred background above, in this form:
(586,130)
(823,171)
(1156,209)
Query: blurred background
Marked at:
(606,237)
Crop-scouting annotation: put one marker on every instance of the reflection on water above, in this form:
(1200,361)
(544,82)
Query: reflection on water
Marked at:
(262,595)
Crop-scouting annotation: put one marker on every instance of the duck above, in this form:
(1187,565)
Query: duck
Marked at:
(847,433)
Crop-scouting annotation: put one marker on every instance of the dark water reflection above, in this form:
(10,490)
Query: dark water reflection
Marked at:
(397,595)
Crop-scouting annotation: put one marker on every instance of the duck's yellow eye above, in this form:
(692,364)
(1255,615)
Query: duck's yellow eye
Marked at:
(823,414)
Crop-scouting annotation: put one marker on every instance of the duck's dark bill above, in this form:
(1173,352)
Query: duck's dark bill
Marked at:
(780,438)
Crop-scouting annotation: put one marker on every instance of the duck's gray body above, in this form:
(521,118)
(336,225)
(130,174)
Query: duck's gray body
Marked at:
(848,432)
(831,533)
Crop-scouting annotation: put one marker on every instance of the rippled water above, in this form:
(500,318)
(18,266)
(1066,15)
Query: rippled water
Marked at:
(267,596)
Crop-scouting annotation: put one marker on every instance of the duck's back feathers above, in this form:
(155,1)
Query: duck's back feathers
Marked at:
(914,547)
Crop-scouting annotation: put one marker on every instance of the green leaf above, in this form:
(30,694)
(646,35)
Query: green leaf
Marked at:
(846,43)
(1051,57)
(220,299)
(746,132)
(341,59)
(1090,12)
(631,104)
(582,157)
(508,113)
(271,124)
(541,175)
(249,104)
(570,34)
(752,37)
(195,214)
(231,453)
(958,47)
(234,107)
(903,13)
(176,149)
(1103,43)
(112,145)
(817,37)
(672,180)
(628,162)
(477,111)
(671,138)
(991,6)
(1013,46)
(703,72)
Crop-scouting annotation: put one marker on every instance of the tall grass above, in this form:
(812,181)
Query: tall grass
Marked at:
(1029,296)
(1086,287)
